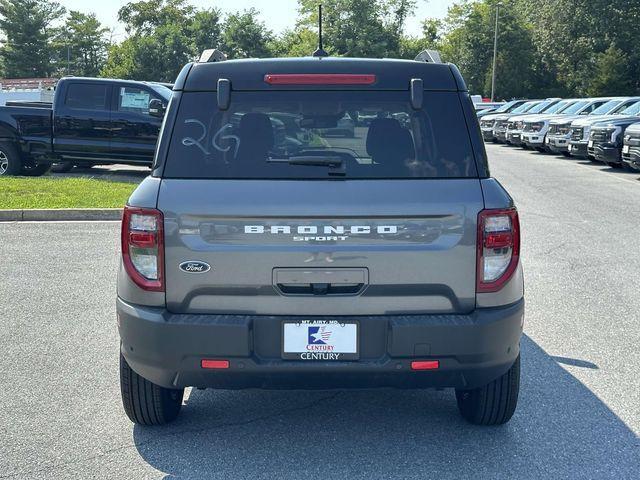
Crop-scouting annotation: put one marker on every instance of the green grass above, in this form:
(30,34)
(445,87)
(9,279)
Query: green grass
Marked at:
(50,192)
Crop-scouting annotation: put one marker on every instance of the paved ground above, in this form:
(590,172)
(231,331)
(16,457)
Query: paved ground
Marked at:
(578,417)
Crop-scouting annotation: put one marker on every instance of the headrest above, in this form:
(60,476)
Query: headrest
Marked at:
(388,140)
(256,127)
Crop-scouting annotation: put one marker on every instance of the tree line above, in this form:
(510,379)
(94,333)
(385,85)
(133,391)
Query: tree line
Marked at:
(545,48)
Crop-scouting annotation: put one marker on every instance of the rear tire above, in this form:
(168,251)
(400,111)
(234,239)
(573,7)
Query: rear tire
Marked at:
(10,161)
(146,403)
(493,404)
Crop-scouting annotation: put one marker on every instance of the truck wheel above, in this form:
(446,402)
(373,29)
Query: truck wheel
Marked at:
(493,404)
(146,403)
(10,161)
(36,170)
(62,167)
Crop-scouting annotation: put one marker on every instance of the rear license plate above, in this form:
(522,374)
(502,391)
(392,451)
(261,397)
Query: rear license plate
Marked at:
(625,149)
(590,143)
(320,340)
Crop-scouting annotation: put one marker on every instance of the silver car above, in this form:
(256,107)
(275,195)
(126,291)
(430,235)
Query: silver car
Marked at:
(391,259)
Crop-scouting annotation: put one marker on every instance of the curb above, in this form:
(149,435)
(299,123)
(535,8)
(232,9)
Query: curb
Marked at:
(60,214)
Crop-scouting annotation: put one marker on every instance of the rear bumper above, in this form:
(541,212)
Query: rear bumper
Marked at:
(472,349)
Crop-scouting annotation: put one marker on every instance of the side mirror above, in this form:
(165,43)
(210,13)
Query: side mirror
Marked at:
(157,108)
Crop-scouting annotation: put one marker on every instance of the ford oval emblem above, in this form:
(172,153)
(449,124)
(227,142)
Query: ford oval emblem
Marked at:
(195,266)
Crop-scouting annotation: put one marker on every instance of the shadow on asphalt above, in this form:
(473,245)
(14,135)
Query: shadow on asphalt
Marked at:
(560,430)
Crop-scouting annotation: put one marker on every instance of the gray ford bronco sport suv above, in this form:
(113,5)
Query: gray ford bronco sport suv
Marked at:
(263,252)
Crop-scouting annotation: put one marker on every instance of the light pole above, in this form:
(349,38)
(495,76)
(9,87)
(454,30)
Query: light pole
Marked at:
(495,55)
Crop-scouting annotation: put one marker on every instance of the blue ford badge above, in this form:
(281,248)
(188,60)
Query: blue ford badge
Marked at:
(195,266)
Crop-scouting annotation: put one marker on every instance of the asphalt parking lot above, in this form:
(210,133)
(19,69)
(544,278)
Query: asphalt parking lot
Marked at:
(579,410)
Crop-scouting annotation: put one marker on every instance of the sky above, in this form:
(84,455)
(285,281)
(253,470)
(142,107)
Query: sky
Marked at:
(278,15)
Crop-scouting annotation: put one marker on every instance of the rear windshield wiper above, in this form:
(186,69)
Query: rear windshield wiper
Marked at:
(336,164)
(315,161)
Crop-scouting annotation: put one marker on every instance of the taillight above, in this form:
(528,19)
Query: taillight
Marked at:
(319,79)
(143,247)
(498,248)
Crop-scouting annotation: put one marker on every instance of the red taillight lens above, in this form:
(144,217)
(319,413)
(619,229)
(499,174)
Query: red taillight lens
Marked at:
(143,247)
(319,79)
(498,248)
(425,365)
(214,364)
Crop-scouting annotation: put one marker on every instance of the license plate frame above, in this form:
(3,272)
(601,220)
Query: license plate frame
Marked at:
(590,144)
(625,149)
(339,340)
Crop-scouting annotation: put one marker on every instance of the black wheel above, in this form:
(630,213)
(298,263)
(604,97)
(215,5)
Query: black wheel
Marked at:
(10,161)
(62,167)
(146,403)
(493,404)
(541,149)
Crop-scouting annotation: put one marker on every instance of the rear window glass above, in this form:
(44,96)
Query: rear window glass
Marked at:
(320,134)
(86,96)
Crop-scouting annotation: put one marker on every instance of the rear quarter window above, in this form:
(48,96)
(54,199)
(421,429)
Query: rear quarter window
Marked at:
(315,135)
(86,96)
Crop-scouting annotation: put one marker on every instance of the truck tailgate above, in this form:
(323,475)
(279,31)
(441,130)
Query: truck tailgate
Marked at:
(321,247)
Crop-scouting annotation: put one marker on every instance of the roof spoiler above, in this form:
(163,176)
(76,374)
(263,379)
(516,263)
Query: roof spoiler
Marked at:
(212,55)
(428,56)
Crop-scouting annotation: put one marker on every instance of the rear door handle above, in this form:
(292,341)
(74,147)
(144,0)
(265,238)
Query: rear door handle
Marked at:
(318,281)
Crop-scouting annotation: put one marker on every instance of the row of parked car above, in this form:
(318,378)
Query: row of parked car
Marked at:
(602,129)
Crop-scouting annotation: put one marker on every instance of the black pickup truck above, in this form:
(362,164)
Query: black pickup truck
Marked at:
(92,121)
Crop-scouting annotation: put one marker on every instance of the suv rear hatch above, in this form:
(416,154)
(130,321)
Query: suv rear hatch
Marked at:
(320,203)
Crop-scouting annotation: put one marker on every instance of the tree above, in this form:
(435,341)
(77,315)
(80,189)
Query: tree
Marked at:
(156,57)
(163,38)
(205,30)
(82,44)
(612,74)
(246,36)
(430,40)
(27,48)
(358,28)
(468,42)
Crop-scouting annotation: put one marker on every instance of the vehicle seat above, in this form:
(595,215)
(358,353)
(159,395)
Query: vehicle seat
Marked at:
(256,138)
(389,145)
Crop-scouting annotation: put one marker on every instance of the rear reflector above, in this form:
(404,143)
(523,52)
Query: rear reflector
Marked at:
(214,364)
(319,79)
(425,365)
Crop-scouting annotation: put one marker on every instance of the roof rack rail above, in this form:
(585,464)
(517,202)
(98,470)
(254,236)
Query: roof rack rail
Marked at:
(212,55)
(428,56)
